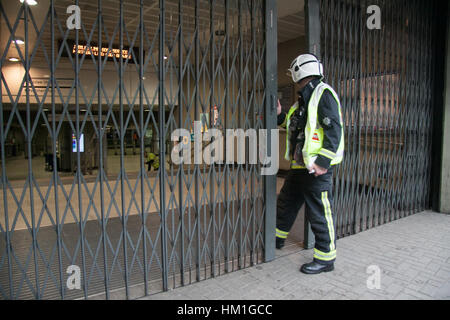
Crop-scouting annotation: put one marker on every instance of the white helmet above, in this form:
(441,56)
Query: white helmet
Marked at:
(305,65)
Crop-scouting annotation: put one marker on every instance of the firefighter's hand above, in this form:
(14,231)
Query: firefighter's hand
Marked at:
(279,108)
(318,171)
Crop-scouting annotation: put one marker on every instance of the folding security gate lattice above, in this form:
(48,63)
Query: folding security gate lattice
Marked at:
(100,101)
(386,82)
(82,110)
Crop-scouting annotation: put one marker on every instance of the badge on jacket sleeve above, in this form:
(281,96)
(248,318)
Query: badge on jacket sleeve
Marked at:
(327,122)
(316,137)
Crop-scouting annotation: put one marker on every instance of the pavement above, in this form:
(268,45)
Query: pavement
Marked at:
(408,259)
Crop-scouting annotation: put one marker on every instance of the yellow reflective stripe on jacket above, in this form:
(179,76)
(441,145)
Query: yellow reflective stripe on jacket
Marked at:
(329,218)
(281,234)
(319,255)
(327,153)
(314,134)
(295,166)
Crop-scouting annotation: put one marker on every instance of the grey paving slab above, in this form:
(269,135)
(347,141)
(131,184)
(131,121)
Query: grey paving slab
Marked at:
(412,256)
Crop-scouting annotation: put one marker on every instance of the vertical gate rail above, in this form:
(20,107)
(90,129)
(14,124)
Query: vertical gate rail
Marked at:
(131,74)
(270,182)
(385,79)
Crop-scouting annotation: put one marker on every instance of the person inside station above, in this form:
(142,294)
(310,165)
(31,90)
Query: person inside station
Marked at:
(314,146)
(152,161)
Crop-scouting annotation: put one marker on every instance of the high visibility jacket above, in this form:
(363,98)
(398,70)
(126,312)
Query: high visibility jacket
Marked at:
(314,132)
(152,157)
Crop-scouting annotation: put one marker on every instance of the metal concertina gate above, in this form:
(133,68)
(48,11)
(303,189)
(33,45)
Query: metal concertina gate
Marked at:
(99,99)
(386,82)
(134,233)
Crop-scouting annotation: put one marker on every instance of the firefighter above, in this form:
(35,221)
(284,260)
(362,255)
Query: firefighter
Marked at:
(152,160)
(315,144)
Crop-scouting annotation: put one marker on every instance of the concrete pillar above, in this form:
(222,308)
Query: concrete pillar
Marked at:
(444,203)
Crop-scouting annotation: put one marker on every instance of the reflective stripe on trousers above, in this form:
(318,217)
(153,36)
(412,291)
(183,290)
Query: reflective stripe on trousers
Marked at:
(299,188)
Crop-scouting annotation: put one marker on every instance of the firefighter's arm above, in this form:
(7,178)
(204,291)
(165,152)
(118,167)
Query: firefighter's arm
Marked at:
(282,117)
(329,119)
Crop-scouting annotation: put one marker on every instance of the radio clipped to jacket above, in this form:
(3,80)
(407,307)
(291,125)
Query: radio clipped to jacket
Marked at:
(297,133)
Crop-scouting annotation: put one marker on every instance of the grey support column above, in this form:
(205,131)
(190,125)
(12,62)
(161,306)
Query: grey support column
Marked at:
(444,203)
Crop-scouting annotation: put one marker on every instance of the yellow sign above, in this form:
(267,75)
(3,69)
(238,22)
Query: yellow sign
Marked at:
(92,50)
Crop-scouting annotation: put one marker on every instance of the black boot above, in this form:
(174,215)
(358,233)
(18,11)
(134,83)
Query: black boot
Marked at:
(279,243)
(316,268)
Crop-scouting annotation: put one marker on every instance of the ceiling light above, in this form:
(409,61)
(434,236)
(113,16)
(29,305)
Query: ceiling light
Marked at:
(13,59)
(19,41)
(29,2)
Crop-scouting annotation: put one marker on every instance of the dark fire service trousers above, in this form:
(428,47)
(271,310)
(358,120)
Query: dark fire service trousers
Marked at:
(299,188)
